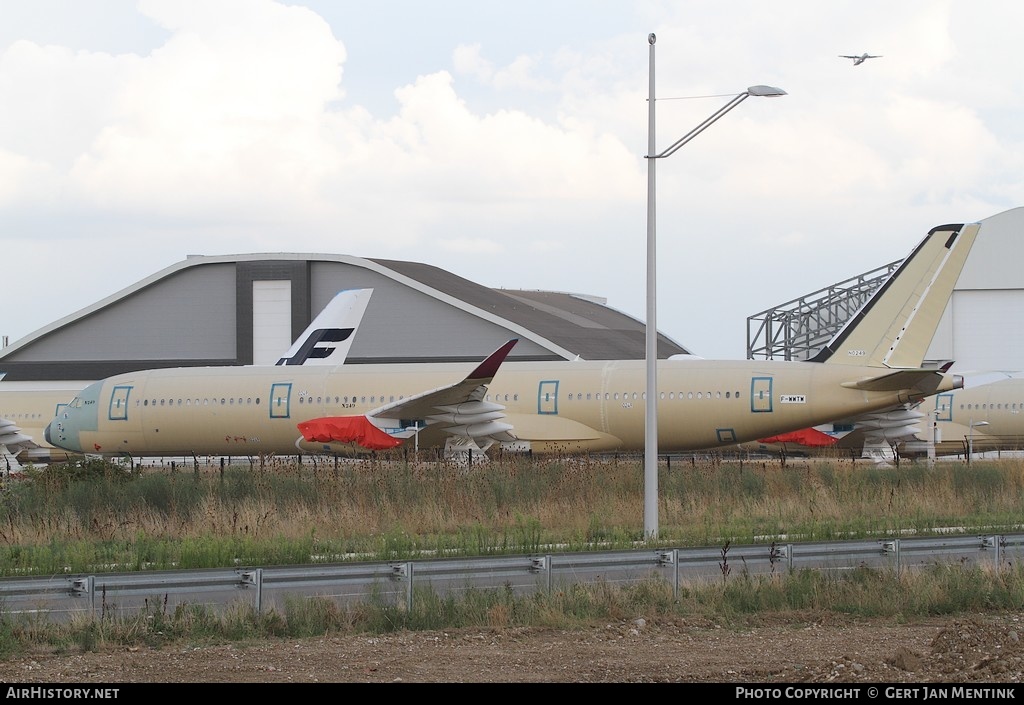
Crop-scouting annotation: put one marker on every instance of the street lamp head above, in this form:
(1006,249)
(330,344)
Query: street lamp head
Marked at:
(765,91)
(651,39)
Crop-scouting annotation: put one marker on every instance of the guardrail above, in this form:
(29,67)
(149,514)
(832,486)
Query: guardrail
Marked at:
(105,594)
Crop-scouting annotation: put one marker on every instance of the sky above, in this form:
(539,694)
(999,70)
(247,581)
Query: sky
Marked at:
(502,142)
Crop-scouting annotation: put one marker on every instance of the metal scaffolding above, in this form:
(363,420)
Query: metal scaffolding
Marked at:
(797,329)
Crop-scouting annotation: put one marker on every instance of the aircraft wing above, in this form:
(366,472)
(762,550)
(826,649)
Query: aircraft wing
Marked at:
(472,388)
(915,381)
(460,405)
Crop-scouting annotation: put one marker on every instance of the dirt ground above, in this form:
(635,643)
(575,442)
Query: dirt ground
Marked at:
(978,649)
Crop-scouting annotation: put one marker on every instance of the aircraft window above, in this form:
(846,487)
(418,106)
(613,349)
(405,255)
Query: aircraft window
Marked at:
(728,394)
(319,400)
(362,399)
(589,397)
(699,395)
(515,397)
(634,395)
(391,398)
(188,402)
(179,402)
(718,395)
(146,402)
(162,401)
(689,395)
(231,401)
(257,401)
(708,395)
(249,400)
(737,395)
(616,395)
(222,401)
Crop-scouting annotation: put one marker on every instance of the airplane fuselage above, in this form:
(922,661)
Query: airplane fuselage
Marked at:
(29,406)
(989,417)
(563,406)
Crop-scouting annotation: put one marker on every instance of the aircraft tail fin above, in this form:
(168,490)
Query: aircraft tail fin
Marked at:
(896,325)
(327,340)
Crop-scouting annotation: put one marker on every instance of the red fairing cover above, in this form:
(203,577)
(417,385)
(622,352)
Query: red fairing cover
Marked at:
(347,429)
(805,437)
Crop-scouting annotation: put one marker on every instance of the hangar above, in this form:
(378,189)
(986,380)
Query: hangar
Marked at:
(247,309)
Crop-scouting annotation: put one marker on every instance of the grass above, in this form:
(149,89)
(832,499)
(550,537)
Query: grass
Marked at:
(93,517)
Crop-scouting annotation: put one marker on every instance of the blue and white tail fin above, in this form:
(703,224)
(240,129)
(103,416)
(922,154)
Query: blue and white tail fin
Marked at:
(329,337)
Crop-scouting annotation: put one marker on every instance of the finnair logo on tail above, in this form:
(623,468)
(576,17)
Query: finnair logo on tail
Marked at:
(314,347)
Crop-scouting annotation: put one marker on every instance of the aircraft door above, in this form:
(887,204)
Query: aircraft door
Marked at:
(761,394)
(280,400)
(118,410)
(547,397)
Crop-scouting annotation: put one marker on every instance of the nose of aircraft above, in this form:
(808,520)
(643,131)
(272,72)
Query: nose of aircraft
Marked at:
(46,434)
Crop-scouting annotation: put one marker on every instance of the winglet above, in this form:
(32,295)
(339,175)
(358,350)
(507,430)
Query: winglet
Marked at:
(489,367)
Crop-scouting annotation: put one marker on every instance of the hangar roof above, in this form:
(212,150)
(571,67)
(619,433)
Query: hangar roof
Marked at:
(201,311)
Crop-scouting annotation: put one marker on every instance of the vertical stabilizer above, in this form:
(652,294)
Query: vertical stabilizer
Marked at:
(327,340)
(896,325)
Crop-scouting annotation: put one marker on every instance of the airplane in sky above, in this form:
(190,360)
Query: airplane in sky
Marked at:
(873,363)
(858,60)
(26,407)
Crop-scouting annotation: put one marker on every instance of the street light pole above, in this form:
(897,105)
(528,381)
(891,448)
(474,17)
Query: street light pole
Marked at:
(651,326)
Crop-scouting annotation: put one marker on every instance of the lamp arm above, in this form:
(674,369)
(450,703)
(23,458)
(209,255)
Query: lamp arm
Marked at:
(703,126)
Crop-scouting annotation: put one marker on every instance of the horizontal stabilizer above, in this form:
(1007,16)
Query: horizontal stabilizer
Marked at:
(921,381)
